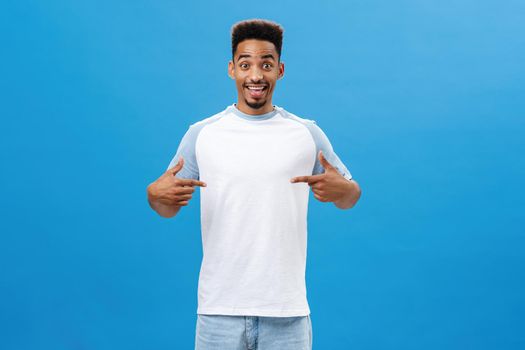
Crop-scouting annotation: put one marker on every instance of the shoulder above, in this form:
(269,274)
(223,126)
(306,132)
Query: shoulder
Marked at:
(209,120)
(286,114)
(195,128)
(317,133)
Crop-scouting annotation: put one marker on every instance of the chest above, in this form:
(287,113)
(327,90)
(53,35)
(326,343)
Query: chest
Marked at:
(240,152)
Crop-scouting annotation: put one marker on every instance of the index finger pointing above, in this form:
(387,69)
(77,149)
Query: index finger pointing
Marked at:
(307,178)
(191,182)
(299,179)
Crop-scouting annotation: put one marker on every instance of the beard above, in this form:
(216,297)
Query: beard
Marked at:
(255,105)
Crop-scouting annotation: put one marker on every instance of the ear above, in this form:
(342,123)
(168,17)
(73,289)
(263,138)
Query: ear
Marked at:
(281,70)
(231,69)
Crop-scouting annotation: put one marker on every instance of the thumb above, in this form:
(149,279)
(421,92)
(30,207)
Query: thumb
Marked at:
(324,162)
(174,170)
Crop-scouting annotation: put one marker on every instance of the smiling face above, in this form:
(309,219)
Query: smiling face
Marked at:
(255,68)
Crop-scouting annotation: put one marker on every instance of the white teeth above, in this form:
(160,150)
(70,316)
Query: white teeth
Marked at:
(255,87)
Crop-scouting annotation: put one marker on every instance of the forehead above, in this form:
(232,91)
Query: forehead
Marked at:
(254,47)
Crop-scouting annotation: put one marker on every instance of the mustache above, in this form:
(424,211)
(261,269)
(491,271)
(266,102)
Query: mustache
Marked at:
(260,82)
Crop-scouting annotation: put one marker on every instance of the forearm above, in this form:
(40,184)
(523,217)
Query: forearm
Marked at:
(352,193)
(163,210)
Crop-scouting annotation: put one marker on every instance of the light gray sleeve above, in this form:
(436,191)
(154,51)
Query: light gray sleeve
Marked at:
(186,149)
(323,144)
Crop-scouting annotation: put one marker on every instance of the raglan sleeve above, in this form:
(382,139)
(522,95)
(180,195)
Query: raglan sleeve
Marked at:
(322,143)
(186,149)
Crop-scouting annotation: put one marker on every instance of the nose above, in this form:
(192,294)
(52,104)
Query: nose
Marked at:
(256,74)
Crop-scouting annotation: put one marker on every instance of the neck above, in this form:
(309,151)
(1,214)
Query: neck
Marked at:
(243,107)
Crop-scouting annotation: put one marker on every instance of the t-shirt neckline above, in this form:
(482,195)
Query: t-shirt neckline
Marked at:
(253,117)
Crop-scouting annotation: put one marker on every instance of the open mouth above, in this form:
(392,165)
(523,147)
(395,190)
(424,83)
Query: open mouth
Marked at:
(256,91)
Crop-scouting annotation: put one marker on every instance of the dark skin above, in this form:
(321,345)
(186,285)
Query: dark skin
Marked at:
(331,186)
(168,193)
(256,67)
(256,64)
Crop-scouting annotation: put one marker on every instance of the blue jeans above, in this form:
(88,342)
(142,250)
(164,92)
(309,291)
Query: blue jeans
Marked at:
(221,332)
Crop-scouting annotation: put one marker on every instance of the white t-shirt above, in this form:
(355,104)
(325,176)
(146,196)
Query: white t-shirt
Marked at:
(253,219)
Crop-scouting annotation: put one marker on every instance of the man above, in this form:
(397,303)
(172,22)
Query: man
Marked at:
(254,163)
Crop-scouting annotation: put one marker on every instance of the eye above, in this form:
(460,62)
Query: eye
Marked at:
(243,65)
(267,66)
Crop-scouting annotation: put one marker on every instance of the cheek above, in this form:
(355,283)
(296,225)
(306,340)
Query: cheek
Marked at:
(275,77)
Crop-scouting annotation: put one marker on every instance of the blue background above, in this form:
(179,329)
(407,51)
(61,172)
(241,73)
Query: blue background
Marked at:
(423,101)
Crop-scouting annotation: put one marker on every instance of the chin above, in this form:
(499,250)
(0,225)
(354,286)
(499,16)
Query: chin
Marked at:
(255,105)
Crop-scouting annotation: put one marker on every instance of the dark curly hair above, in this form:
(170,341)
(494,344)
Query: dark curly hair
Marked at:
(260,29)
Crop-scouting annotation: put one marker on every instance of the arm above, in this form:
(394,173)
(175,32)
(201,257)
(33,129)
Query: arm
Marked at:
(352,193)
(168,194)
(331,186)
(164,210)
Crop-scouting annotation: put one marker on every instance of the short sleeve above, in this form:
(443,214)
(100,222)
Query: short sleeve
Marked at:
(186,149)
(323,144)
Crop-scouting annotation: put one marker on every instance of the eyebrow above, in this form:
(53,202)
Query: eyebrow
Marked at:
(269,55)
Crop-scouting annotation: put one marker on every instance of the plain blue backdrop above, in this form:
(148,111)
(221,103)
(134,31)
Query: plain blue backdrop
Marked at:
(422,100)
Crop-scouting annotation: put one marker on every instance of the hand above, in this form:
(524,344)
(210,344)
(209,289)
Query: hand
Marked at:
(327,187)
(172,191)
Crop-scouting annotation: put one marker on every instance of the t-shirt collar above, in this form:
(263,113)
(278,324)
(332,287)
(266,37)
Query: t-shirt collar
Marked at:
(253,117)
